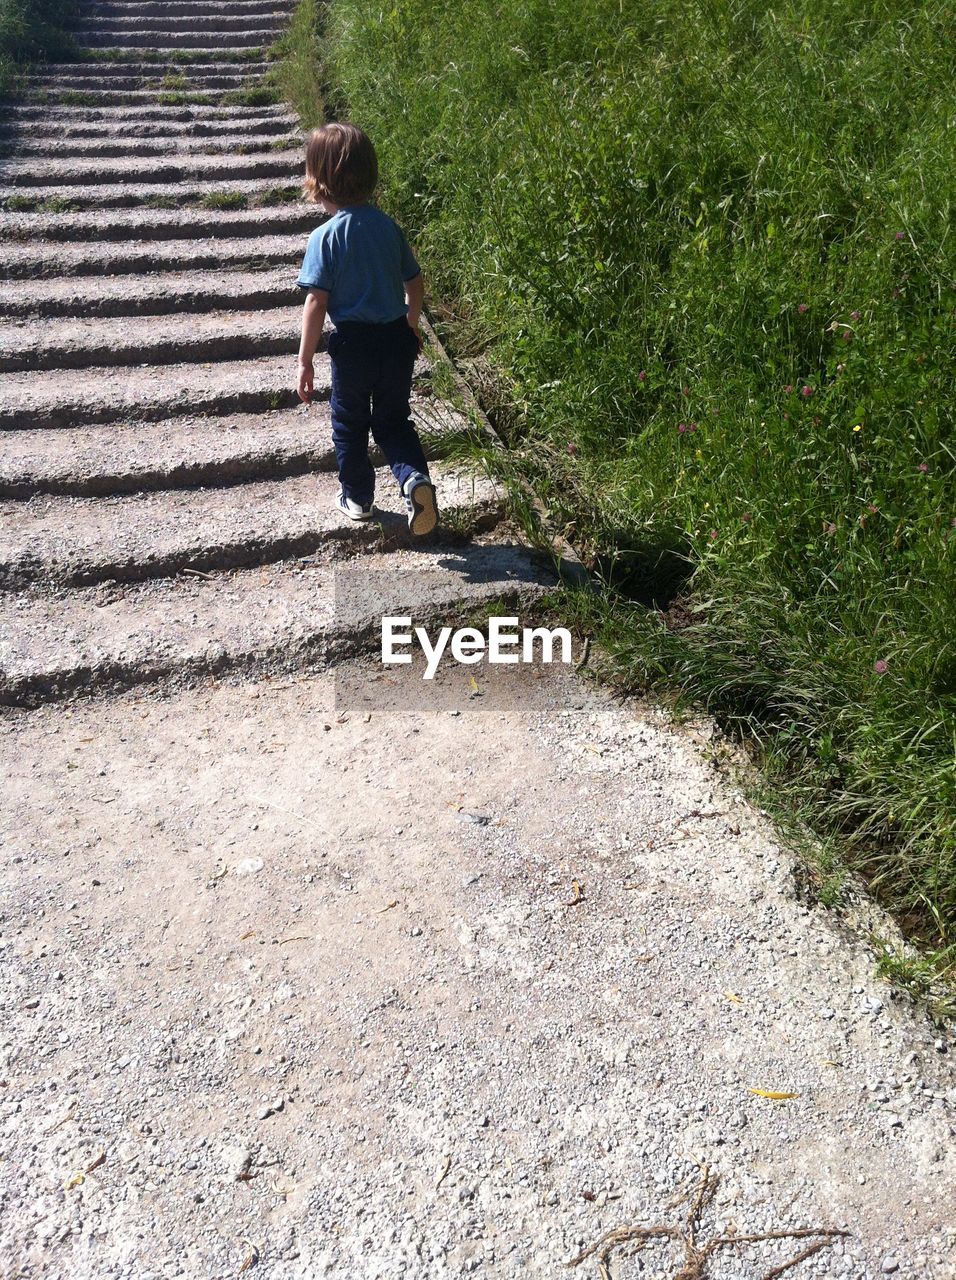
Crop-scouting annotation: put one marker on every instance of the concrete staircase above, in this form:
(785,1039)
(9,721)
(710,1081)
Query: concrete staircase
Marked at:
(165,501)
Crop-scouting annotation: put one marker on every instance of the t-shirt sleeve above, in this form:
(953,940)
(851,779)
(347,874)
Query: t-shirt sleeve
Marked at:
(317,265)
(410,268)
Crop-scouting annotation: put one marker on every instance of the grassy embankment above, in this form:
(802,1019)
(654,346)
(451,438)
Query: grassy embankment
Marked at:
(30,31)
(701,256)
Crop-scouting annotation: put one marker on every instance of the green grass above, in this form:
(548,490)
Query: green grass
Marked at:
(33,204)
(278,196)
(258,96)
(182,98)
(649,228)
(224,200)
(80,98)
(167,55)
(297,72)
(31,31)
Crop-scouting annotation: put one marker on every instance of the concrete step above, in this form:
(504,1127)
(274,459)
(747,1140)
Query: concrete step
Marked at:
(161,293)
(161,41)
(166,20)
(188,452)
(43,136)
(175,144)
(82,397)
(43,261)
(205,10)
(82,342)
(69,173)
(241,193)
(284,618)
(76,541)
(102,69)
(159,81)
(135,99)
(38,120)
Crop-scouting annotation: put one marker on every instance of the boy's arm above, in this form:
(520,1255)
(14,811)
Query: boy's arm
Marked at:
(415,296)
(313,321)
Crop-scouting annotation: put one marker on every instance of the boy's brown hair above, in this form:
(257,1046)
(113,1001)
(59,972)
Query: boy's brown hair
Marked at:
(340,164)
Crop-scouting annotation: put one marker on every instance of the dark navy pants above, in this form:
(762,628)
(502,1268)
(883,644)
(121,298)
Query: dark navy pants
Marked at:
(371,384)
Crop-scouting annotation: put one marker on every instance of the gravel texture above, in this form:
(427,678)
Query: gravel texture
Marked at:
(290,615)
(85,342)
(159,224)
(311,967)
(173,292)
(145,535)
(159,144)
(230,77)
(164,20)
(184,452)
(103,36)
(71,174)
(270,997)
(41,262)
(76,397)
(119,71)
(120,195)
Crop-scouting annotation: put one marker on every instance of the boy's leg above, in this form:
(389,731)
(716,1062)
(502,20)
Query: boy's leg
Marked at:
(392,426)
(352,378)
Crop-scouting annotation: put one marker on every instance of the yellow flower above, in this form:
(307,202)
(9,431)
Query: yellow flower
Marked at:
(858,428)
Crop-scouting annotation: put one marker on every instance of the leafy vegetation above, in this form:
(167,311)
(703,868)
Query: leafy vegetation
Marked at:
(700,256)
(30,31)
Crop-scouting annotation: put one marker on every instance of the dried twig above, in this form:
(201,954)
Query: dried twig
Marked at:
(696,1256)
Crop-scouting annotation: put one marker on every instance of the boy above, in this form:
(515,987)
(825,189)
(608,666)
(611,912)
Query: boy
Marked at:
(358,268)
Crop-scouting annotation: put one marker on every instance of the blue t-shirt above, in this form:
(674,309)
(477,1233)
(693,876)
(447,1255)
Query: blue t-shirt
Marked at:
(361,258)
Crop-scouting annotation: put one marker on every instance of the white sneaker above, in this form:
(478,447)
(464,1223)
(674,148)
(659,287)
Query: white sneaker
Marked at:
(354,510)
(419,495)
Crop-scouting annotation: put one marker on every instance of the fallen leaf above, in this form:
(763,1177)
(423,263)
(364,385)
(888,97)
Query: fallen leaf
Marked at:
(382,910)
(473,682)
(444,1172)
(296,937)
(775,1094)
(76,1181)
(249,933)
(100,1159)
(730,996)
(577,893)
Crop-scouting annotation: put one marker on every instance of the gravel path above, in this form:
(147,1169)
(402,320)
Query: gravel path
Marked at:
(310,1011)
(312,968)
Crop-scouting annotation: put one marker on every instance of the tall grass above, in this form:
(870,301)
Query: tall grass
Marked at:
(706,249)
(296,74)
(30,31)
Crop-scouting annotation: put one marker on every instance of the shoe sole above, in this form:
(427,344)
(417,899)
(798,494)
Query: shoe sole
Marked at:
(424,515)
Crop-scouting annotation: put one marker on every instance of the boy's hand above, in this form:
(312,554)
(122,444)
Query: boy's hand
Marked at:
(418,334)
(306,380)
